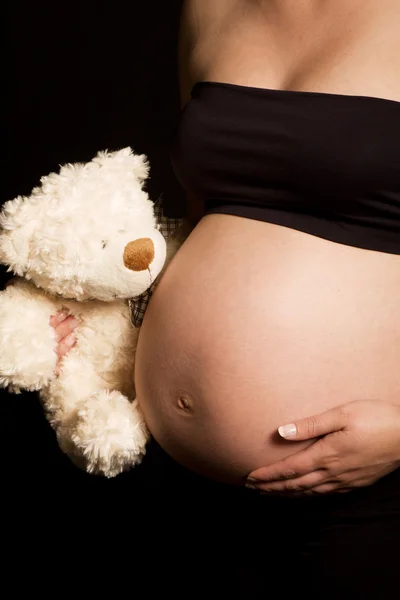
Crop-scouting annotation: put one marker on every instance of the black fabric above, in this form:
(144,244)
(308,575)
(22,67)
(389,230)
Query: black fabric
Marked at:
(321,163)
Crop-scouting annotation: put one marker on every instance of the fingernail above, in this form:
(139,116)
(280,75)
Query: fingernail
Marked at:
(61,316)
(288,431)
(74,322)
(70,339)
(250,486)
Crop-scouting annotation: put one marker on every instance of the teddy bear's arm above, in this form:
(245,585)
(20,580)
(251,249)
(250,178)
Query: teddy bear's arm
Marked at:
(27,341)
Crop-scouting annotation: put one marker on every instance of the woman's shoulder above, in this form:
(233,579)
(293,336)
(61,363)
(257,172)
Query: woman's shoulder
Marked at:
(209,8)
(202,22)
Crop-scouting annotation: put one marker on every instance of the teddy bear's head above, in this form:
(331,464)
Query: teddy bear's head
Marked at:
(88,231)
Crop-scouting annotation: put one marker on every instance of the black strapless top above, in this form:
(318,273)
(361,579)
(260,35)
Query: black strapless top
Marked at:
(325,164)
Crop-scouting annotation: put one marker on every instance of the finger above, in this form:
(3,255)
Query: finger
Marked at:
(342,484)
(312,427)
(66,327)
(298,484)
(328,488)
(303,462)
(56,319)
(320,490)
(65,345)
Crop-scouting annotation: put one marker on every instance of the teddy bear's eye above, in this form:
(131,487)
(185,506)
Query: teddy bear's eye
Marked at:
(103,243)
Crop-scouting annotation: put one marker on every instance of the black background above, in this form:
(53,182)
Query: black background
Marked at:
(79,77)
(85,76)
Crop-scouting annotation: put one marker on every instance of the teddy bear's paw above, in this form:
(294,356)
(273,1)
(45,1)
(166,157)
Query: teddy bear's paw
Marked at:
(110,433)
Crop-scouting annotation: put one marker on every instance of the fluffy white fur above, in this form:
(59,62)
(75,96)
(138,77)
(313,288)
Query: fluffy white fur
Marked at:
(66,242)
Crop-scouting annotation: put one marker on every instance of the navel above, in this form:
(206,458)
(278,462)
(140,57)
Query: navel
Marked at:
(185,403)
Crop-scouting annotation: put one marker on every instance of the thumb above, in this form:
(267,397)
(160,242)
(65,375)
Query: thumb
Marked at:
(315,426)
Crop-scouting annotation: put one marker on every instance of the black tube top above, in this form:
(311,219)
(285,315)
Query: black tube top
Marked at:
(325,164)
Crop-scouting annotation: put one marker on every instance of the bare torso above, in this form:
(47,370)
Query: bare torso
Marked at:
(243,341)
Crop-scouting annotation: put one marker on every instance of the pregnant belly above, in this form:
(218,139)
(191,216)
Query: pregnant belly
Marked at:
(254,325)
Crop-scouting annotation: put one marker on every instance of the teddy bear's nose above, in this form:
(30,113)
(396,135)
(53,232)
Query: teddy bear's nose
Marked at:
(139,254)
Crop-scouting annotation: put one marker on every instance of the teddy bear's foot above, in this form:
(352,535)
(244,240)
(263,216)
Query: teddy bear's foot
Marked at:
(109,433)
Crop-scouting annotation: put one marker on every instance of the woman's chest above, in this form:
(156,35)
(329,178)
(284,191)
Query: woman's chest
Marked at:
(349,50)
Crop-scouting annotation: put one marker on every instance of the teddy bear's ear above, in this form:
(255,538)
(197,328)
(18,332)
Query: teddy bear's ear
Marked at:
(138,164)
(16,228)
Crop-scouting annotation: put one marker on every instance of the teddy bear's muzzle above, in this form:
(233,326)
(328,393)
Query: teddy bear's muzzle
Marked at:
(139,254)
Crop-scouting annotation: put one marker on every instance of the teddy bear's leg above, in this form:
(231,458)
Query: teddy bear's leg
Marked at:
(27,341)
(96,426)
(110,433)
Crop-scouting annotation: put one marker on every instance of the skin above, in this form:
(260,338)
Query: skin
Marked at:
(64,326)
(215,386)
(356,444)
(227,425)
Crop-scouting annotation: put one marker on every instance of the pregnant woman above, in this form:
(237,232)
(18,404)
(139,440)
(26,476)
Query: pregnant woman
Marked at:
(284,301)
(282,308)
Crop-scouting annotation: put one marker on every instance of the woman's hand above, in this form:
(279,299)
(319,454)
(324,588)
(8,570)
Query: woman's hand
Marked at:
(64,326)
(357,444)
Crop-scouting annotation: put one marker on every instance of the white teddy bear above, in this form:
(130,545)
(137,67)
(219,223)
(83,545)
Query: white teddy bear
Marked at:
(84,241)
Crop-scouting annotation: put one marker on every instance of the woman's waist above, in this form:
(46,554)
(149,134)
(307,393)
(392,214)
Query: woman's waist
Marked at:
(285,307)
(374,230)
(229,244)
(308,368)
(214,393)
(254,325)
(261,281)
(216,406)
